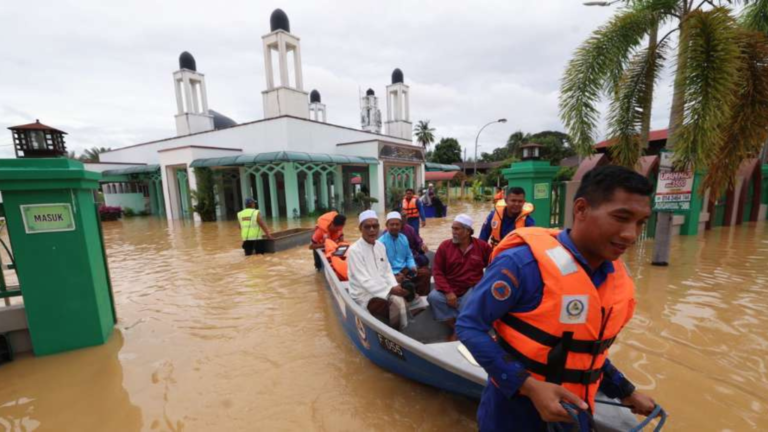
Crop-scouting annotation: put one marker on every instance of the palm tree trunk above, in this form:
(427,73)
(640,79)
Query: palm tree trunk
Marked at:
(663,234)
(645,126)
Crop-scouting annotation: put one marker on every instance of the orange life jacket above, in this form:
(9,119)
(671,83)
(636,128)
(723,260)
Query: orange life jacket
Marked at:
(324,224)
(338,263)
(499,195)
(565,340)
(498,216)
(410,208)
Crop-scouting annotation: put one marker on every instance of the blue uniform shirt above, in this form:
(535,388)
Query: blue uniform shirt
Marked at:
(398,252)
(507,225)
(500,407)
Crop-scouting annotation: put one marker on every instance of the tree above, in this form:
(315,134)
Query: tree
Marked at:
(92,155)
(424,134)
(447,151)
(71,155)
(719,112)
(204,196)
(557,146)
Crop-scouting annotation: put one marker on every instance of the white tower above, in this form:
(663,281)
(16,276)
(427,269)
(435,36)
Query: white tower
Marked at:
(398,107)
(191,98)
(316,107)
(370,115)
(287,98)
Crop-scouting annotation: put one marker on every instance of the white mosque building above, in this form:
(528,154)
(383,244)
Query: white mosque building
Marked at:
(293,161)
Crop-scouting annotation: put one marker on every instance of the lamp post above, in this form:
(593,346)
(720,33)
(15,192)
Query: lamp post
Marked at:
(478,136)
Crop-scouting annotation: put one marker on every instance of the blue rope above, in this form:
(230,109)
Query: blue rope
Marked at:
(573,413)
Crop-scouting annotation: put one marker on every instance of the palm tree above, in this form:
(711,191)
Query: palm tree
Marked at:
(424,134)
(719,113)
(91,155)
(71,155)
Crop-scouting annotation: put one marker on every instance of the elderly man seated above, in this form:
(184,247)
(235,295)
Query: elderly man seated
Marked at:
(459,264)
(372,283)
(401,257)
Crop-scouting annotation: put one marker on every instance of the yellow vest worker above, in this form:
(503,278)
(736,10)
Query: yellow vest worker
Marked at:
(252,228)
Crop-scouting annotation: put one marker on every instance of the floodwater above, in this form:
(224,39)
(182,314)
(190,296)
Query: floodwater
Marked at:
(208,339)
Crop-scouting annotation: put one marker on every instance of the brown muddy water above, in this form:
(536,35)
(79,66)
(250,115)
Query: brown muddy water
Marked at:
(208,339)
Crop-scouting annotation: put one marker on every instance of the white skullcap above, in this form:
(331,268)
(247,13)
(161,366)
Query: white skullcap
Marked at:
(464,220)
(394,215)
(368,214)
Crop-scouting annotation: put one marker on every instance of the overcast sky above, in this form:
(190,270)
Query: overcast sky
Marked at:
(102,71)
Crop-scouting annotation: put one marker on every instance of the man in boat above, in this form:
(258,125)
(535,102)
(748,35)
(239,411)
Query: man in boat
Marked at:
(557,301)
(401,258)
(419,249)
(414,211)
(507,215)
(252,227)
(330,226)
(499,195)
(459,264)
(371,281)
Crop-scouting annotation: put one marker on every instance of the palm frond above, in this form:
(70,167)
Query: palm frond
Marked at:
(747,129)
(627,110)
(712,55)
(755,16)
(598,64)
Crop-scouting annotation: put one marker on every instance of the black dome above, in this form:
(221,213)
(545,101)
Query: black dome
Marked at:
(279,21)
(220,121)
(370,92)
(186,61)
(314,96)
(397,76)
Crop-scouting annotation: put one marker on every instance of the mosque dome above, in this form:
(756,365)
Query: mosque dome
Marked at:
(370,92)
(314,96)
(397,76)
(279,21)
(220,121)
(186,61)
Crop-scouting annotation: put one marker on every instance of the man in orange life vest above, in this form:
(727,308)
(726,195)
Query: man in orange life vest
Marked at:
(413,210)
(507,216)
(499,195)
(557,302)
(329,226)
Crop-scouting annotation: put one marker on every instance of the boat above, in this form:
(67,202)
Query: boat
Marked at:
(283,240)
(420,352)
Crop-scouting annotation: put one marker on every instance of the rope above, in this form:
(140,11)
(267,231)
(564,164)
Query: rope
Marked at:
(573,413)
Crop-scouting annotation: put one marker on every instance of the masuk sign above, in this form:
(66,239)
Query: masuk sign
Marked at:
(43,218)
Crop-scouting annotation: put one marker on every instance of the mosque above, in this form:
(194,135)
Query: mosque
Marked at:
(294,162)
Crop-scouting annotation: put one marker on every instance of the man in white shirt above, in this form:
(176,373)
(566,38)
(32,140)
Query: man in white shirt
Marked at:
(371,281)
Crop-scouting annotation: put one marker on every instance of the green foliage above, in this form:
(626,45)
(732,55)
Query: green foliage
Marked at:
(129,212)
(447,151)
(755,16)
(557,146)
(205,199)
(564,174)
(424,134)
(364,200)
(91,155)
(394,197)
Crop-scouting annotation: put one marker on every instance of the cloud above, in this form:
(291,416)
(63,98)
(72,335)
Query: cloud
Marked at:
(103,71)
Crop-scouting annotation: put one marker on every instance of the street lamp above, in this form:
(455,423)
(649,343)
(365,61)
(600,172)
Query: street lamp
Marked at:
(478,136)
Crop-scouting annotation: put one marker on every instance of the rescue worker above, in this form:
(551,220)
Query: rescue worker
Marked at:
(251,227)
(499,195)
(508,215)
(413,210)
(557,302)
(330,226)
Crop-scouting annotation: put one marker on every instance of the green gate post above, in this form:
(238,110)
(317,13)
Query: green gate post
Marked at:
(54,232)
(535,177)
(764,191)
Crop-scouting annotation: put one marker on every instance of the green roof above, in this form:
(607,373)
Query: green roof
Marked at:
(441,167)
(282,156)
(143,169)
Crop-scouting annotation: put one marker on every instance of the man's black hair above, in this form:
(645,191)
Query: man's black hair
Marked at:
(516,191)
(410,190)
(599,184)
(339,220)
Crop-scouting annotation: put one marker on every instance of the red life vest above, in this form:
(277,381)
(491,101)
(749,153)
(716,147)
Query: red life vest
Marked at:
(338,262)
(498,216)
(324,225)
(565,340)
(410,208)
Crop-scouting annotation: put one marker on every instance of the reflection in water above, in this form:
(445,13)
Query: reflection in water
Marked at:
(211,340)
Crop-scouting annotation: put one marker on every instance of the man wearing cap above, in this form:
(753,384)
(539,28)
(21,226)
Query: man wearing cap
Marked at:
(251,227)
(371,281)
(401,257)
(459,265)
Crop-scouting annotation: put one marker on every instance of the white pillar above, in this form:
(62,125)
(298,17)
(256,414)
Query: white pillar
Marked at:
(179,98)
(269,68)
(192,181)
(170,193)
(283,63)
(297,70)
(188,93)
(204,94)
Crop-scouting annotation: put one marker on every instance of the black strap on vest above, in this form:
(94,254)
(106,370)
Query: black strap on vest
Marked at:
(593,348)
(554,373)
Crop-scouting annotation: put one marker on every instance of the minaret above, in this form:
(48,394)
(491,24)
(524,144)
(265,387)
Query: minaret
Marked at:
(316,108)
(283,97)
(191,98)
(370,116)
(398,107)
